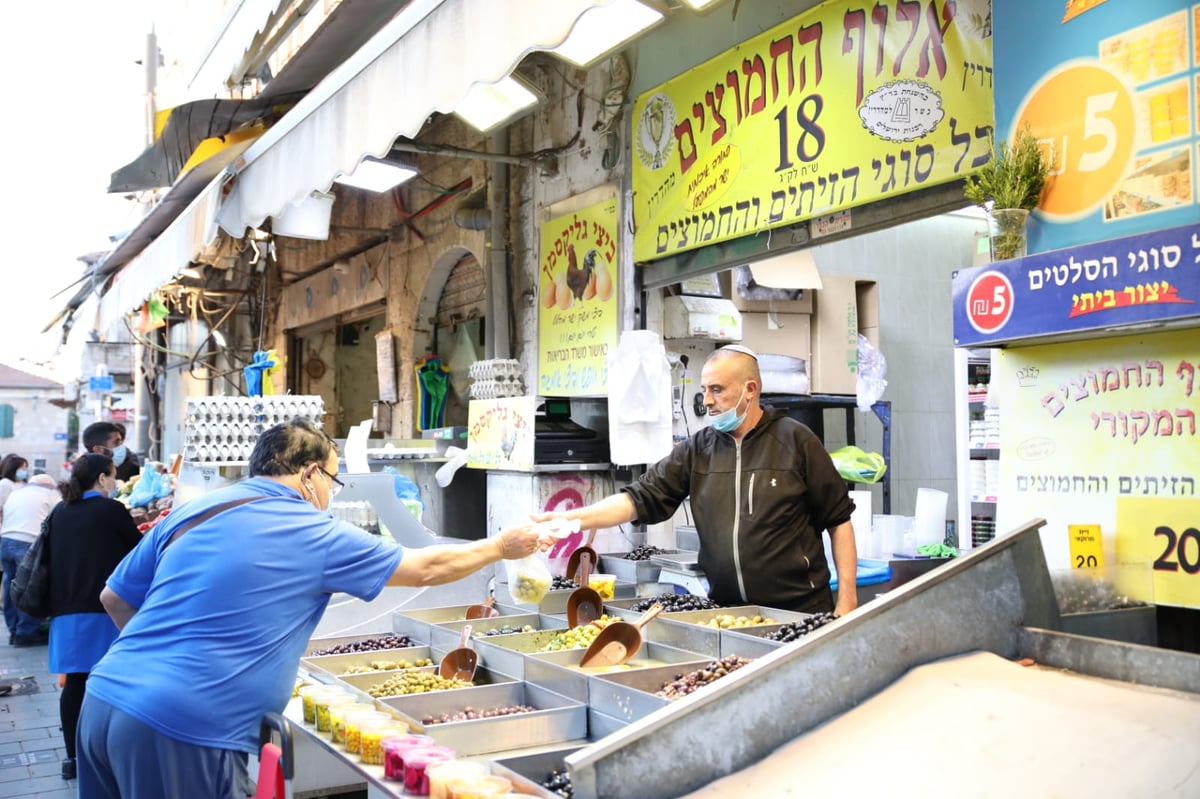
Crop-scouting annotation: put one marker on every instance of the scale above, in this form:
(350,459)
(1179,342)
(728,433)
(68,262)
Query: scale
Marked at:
(682,569)
(560,439)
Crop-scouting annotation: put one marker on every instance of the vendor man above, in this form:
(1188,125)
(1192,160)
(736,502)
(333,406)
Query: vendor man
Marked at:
(763,489)
(108,438)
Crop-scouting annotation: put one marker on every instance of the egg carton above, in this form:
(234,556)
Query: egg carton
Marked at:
(226,428)
(496,389)
(495,369)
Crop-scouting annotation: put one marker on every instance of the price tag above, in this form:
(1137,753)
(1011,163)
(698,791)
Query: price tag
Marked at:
(1163,533)
(1087,546)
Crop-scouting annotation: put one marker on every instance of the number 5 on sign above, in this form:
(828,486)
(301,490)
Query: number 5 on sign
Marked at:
(1164,533)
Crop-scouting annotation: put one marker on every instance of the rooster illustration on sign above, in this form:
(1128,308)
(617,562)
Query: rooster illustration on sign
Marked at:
(578,283)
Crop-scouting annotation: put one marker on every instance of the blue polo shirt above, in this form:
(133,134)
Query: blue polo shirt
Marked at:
(225,612)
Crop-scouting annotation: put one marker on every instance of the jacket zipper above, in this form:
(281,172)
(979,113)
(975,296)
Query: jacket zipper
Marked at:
(750,495)
(737,520)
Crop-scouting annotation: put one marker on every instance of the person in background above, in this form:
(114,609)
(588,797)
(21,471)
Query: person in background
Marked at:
(14,471)
(763,490)
(213,622)
(90,535)
(24,511)
(107,438)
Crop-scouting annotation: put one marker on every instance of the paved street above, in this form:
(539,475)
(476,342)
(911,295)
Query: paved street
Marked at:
(31,747)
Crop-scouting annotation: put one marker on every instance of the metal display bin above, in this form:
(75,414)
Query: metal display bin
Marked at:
(448,633)
(415,623)
(685,630)
(364,682)
(555,602)
(1130,625)
(631,695)
(560,672)
(336,665)
(557,719)
(631,571)
(507,652)
(601,725)
(317,644)
(532,769)
(750,644)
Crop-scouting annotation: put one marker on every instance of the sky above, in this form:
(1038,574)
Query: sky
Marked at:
(75,112)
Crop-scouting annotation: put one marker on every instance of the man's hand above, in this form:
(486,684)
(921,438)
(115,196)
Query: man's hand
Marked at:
(847,601)
(517,542)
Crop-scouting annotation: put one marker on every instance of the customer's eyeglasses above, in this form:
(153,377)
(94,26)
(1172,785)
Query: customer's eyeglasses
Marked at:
(335,485)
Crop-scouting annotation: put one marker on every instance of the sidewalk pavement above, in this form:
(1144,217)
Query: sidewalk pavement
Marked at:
(31,745)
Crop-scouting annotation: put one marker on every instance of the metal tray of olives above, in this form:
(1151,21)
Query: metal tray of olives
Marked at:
(337,665)
(750,642)
(416,623)
(448,633)
(364,682)
(555,602)
(533,769)
(630,695)
(318,644)
(686,629)
(560,671)
(507,652)
(557,719)
(631,571)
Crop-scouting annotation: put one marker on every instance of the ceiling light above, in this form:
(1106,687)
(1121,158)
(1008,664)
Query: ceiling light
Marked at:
(699,4)
(487,105)
(218,338)
(190,271)
(602,29)
(377,174)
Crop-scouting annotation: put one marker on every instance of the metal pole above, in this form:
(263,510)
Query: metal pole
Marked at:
(137,428)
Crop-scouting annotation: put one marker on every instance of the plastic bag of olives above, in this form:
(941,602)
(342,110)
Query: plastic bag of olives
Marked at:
(528,578)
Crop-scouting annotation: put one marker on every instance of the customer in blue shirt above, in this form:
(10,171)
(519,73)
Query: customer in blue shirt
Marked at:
(213,623)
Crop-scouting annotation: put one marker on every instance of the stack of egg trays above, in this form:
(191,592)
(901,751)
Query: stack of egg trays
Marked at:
(556,719)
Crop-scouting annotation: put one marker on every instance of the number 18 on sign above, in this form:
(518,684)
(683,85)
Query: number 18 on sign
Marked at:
(1164,534)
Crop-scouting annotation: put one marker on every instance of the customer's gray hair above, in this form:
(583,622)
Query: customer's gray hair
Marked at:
(288,447)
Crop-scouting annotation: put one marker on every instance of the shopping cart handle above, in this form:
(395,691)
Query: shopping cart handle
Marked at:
(275,722)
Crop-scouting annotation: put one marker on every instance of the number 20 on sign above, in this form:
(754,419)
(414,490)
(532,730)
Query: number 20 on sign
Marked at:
(1164,533)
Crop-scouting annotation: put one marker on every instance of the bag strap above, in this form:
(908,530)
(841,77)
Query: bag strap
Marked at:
(208,514)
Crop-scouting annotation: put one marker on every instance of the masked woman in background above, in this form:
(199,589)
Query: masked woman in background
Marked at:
(14,472)
(90,533)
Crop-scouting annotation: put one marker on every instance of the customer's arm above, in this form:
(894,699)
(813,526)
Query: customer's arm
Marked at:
(118,609)
(445,563)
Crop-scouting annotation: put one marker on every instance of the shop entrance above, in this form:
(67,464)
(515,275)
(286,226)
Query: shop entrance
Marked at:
(337,361)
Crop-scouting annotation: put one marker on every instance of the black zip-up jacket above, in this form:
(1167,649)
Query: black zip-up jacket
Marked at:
(760,509)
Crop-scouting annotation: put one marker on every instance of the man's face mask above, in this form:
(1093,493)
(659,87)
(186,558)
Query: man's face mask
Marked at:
(729,420)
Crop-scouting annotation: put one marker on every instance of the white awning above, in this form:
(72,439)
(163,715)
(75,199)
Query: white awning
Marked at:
(162,259)
(423,61)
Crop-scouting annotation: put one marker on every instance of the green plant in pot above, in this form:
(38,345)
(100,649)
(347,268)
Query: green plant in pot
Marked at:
(1008,187)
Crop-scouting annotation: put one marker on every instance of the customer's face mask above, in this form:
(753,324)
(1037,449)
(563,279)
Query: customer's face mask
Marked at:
(22,474)
(727,421)
(119,454)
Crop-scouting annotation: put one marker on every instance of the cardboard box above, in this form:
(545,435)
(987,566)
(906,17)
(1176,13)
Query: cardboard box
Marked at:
(781,334)
(794,274)
(701,317)
(844,307)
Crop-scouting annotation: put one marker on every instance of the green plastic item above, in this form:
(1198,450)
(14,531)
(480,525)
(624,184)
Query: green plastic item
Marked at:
(859,466)
(937,551)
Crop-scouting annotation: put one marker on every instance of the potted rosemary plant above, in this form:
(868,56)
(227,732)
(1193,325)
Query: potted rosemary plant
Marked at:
(1008,187)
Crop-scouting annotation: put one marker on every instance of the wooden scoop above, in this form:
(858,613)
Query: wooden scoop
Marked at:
(484,611)
(460,663)
(584,605)
(619,641)
(576,556)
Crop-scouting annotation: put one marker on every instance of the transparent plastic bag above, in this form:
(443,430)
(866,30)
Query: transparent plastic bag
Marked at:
(529,578)
(872,366)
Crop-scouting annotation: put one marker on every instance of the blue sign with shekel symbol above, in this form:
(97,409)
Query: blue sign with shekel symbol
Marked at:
(1126,282)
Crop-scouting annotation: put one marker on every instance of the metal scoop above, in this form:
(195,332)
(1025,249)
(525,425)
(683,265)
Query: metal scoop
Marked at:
(577,557)
(585,604)
(619,641)
(484,611)
(460,663)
